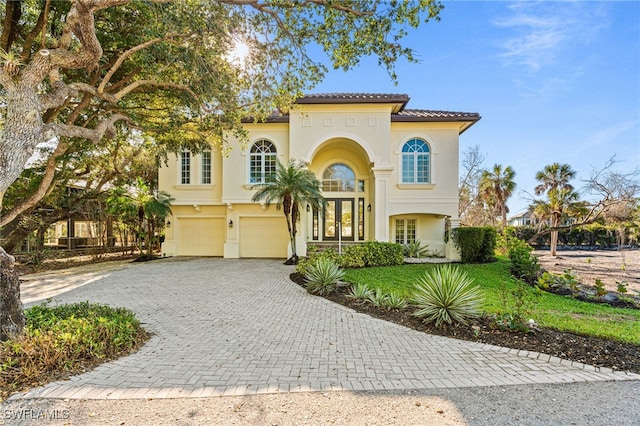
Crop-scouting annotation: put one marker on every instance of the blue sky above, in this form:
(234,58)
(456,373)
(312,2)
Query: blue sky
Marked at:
(553,82)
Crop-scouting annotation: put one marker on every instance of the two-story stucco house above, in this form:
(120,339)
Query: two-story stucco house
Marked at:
(389,174)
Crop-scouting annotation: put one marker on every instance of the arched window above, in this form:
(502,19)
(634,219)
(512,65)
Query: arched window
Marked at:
(262,161)
(416,163)
(339,178)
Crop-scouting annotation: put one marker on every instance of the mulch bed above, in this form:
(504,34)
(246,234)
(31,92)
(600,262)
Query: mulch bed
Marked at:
(588,350)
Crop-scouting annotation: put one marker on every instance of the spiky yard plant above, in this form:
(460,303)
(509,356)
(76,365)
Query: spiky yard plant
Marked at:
(394,301)
(416,249)
(323,277)
(447,294)
(361,292)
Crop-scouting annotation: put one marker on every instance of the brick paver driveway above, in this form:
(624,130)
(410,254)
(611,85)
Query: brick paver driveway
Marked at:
(237,327)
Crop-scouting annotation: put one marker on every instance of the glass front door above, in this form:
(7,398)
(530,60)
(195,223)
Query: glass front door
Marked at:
(338,219)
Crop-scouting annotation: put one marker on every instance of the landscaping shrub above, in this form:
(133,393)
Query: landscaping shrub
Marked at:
(524,265)
(447,294)
(563,284)
(373,253)
(64,339)
(323,276)
(416,249)
(377,253)
(516,300)
(476,245)
(313,255)
(352,257)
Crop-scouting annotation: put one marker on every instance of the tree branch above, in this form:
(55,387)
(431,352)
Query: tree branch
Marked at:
(140,83)
(105,128)
(122,58)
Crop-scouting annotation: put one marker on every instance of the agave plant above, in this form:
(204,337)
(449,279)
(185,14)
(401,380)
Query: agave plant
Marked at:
(416,249)
(394,301)
(361,292)
(323,276)
(447,294)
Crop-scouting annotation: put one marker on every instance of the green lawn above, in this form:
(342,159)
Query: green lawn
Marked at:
(548,310)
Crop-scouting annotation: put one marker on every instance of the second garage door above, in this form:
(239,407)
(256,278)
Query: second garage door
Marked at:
(263,237)
(201,236)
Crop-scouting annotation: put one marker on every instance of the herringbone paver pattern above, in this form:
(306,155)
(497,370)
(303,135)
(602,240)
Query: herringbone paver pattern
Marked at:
(239,327)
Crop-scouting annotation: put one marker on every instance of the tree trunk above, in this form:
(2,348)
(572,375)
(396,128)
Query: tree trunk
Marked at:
(554,236)
(12,320)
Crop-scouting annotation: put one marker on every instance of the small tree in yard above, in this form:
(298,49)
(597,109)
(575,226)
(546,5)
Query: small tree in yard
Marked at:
(291,186)
(143,210)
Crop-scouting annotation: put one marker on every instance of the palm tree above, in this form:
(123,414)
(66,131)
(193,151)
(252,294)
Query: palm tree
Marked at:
(290,186)
(561,203)
(496,186)
(144,210)
(554,176)
(562,200)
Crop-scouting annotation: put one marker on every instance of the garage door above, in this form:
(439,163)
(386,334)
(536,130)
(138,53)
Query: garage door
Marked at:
(263,237)
(201,236)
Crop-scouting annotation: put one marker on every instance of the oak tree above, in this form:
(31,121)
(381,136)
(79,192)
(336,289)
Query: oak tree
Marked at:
(80,71)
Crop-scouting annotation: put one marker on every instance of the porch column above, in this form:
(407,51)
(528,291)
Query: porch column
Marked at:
(451,252)
(382,179)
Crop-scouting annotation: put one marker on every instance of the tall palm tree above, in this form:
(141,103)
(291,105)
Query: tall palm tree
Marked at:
(290,186)
(554,176)
(562,199)
(561,203)
(496,187)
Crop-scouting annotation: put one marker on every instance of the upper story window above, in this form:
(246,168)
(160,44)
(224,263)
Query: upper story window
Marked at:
(185,167)
(205,176)
(416,162)
(262,161)
(338,178)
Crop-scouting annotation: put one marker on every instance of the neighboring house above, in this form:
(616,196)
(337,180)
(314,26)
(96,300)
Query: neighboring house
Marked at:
(388,174)
(528,218)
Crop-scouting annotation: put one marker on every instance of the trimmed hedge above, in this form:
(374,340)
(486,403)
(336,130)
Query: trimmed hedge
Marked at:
(476,245)
(371,253)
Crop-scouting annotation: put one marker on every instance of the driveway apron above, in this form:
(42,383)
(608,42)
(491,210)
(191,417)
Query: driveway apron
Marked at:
(241,327)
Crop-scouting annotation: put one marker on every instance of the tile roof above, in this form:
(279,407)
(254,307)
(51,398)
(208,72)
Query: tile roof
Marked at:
(315,98)
(433,115)
(398,114)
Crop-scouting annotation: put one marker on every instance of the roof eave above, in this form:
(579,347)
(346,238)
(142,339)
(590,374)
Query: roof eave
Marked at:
(465,122)
(399,101)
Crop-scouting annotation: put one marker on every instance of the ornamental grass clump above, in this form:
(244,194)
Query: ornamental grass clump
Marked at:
(323,276)
(447,294)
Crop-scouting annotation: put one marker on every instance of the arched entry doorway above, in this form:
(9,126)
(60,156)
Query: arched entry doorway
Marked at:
(340,216)
(344,170)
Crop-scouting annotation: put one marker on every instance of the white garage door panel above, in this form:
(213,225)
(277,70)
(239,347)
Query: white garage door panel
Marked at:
(263,237)
(201,236)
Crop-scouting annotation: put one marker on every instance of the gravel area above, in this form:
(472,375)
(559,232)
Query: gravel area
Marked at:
(610,266)
(615,403)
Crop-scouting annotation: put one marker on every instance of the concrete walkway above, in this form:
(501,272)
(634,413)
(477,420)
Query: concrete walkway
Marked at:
(241,327)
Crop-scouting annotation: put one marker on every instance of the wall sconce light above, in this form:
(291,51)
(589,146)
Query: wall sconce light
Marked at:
(369,208)
(308,208)
(168,224)
(230,224)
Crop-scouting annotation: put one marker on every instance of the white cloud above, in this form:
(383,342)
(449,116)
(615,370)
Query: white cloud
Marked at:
(540,32)
(609,136)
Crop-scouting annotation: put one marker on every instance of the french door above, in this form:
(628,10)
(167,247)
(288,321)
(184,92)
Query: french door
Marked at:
(338,219)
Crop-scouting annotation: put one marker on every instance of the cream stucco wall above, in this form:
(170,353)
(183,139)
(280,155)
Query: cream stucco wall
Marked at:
(235,176)
(359,135)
